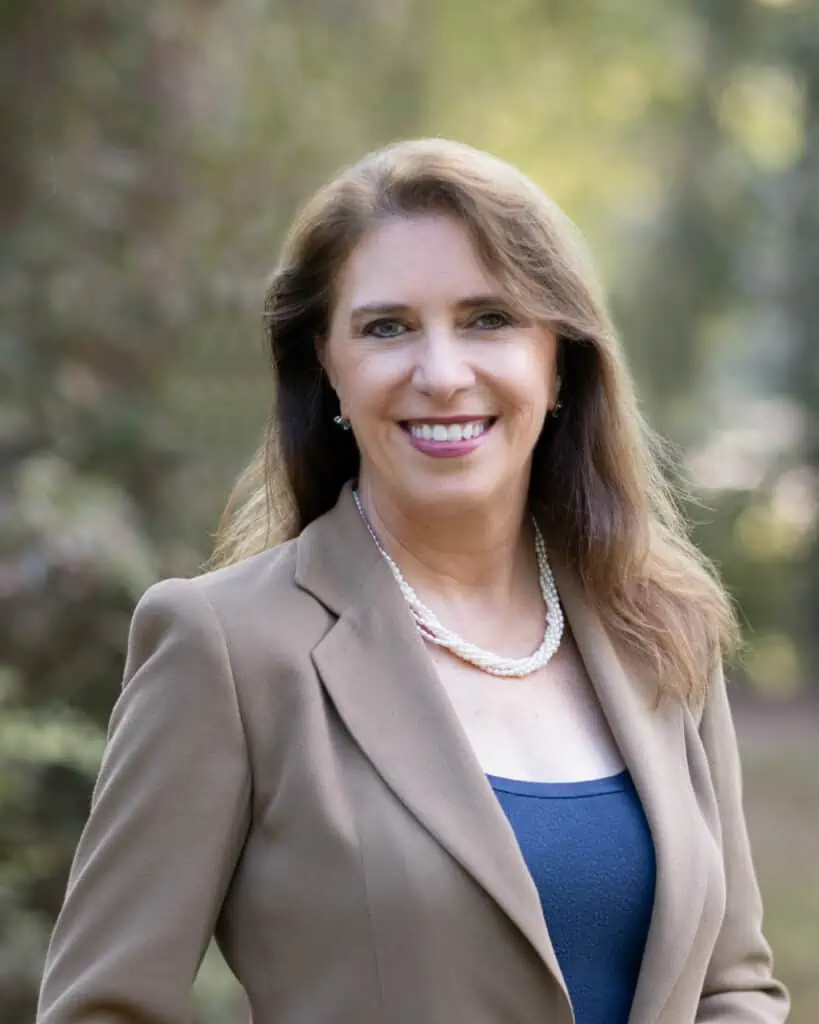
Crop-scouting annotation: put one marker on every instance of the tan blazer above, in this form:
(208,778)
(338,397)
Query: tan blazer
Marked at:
(283,767)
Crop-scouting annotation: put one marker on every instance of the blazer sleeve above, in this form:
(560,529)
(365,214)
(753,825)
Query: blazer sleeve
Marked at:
(739,985)
(168,817)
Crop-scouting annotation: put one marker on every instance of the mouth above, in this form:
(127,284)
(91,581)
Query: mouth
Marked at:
(448,431)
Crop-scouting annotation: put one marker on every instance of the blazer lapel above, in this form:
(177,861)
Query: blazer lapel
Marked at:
(376,670)
(652,742)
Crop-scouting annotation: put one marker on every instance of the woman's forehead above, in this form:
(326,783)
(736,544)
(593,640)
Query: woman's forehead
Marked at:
(412,260)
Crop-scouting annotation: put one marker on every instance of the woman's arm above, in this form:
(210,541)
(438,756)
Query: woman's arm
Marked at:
(739,986)
(168,817)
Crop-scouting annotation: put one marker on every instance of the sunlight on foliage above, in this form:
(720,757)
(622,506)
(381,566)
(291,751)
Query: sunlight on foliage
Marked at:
(762,107)
(773,665)
(766,536)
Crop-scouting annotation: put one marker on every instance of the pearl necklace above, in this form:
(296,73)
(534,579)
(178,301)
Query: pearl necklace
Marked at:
(432,629)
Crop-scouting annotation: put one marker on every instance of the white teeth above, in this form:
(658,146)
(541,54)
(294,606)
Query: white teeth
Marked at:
(449,432)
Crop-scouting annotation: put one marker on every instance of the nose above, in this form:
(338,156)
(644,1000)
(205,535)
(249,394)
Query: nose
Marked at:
(442,368)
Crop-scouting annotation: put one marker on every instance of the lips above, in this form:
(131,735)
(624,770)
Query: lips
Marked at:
(452,438)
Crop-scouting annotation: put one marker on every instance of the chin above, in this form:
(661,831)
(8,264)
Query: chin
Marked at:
(453,495)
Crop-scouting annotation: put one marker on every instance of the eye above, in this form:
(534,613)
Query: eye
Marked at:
(492,320)
(384,328)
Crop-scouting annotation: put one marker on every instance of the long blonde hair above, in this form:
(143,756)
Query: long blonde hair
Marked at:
(597,486)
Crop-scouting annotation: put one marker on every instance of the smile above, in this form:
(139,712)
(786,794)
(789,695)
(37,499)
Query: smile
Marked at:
(448,439)
(448,432)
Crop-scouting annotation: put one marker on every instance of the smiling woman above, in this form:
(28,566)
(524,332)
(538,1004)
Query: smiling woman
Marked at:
(443,736)
(442,370)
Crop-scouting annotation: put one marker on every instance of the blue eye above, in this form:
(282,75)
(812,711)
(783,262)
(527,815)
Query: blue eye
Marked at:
(384,328)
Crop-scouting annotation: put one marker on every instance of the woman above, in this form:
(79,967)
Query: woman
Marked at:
(458,748)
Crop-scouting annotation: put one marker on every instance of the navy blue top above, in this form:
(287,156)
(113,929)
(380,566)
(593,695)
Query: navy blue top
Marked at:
(589,850)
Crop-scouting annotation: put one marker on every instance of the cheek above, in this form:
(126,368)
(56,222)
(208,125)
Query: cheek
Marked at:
(367,380)
(528,379)
(343,368)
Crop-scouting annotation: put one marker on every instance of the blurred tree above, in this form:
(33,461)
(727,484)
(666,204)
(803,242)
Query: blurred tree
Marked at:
(88,172)
(802,42)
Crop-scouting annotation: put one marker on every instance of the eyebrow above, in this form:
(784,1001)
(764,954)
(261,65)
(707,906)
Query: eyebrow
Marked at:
(396,308)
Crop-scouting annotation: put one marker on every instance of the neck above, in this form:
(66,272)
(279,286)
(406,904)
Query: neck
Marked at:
(450,552)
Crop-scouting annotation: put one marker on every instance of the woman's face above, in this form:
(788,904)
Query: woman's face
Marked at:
(445,384)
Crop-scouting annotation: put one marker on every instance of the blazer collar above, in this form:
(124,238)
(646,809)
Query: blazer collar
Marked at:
(335,554)
(376,670)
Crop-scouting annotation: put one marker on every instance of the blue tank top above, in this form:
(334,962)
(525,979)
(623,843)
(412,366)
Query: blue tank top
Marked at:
(589,850)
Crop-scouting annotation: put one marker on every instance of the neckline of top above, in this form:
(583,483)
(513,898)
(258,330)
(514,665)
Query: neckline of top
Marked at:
(561,790)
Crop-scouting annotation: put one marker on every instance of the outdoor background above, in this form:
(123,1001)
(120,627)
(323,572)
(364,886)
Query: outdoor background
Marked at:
(151,154)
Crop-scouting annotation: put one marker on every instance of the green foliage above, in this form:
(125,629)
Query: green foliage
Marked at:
(152,154)
(88,321)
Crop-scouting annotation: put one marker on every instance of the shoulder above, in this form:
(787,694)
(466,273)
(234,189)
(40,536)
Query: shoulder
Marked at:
(713,693)
(253,605)
(238,640)
(266,577)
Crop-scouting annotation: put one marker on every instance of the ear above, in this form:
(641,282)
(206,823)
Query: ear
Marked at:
(560,370)
(322,350)
(556,388)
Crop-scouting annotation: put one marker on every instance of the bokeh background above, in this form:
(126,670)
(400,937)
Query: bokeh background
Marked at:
(151,154)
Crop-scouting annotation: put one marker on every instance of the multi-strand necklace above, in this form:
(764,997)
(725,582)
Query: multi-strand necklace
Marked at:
(432,629)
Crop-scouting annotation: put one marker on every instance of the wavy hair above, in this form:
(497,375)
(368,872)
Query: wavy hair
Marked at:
(597,485)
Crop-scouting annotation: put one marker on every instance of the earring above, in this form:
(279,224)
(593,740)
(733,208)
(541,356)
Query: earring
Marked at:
(558,404)
(342,421)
